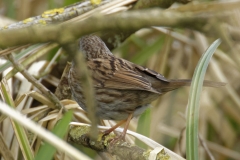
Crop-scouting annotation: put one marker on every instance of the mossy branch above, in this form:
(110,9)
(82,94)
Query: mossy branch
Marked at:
(120,149)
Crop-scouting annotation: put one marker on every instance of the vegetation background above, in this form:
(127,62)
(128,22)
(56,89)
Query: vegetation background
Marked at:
(173,52)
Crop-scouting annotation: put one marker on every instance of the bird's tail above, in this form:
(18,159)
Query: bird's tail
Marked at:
(175,84)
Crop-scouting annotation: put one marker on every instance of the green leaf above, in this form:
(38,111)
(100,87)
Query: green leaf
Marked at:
(47,151)
(193,101)
(144,127)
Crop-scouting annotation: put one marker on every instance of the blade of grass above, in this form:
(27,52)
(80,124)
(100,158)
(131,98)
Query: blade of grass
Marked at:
(18,129)
(23,54)
(37,96)
(193,102)
(47,151)
(31,58)
(44,134)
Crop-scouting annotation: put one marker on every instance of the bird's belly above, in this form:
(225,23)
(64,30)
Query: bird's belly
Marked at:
(116,104)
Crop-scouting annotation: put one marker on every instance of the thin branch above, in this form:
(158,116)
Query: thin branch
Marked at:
(86,84)
(38,85)
(57,15)
(204,145)
(125,21)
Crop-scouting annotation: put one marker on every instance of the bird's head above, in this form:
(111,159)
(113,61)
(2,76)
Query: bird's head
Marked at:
(93,47)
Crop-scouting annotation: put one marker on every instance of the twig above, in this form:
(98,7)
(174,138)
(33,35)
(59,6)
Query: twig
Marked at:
(205,147)
(38,85)
(57,15)
(87,84)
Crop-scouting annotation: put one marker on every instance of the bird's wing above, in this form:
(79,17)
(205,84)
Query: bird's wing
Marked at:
(117,74)
(151,73)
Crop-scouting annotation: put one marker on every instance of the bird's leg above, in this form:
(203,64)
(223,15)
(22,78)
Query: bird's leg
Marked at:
(114,127)
(122,136)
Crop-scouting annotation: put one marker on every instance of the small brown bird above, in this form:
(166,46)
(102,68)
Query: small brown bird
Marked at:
(122,89)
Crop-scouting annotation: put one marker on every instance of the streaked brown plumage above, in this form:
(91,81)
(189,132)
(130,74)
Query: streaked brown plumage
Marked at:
(123,89)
